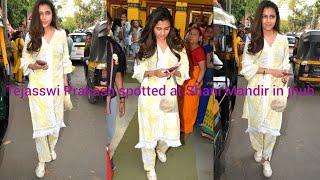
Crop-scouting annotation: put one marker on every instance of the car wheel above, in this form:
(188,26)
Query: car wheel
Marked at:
(296,81)
(302,84)
(92,99)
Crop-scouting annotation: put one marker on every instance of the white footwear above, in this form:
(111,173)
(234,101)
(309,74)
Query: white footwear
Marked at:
(161,156)
(40,169)
(267,171)
(53,155)
(152,175)
(258,156)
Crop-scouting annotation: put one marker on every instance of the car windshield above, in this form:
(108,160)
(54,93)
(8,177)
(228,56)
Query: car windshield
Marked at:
(291,40)
(78,38)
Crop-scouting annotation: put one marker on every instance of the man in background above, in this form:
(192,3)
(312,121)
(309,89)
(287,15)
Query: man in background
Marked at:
(70,44)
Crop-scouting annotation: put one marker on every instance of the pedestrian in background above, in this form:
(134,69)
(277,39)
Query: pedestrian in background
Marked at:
(160,49)
(46,59)
(189,91)
(124,33)
(116,26)
(116,65)
(87,48)
(70,44)
(208,76)
(136,33)
(265,60)
(9,47)
(18,44)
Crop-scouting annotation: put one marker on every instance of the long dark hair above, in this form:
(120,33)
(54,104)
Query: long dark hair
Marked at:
(257,43)
(116,22)
(36,29)
(148,41)
(16,35)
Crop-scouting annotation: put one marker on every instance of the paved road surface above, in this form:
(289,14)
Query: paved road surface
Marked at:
(297,151)
(80,149)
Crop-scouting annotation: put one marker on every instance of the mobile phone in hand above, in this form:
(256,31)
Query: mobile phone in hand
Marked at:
(41,63)
(287,74)
(173,68)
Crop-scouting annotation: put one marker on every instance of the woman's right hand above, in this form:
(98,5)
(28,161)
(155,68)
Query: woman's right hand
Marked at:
(161,73)
(36,66)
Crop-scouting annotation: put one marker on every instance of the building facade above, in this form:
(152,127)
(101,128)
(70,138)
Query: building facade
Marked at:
(183,11)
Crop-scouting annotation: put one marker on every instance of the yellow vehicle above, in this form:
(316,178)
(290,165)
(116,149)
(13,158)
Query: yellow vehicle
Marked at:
(224,80)
(4,81)
(306,67)
(98,72)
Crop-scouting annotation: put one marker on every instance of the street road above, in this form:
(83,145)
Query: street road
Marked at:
(296,153)
(80,149)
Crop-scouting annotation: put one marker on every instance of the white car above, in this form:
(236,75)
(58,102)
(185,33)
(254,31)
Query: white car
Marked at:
(79,40)
(291,41)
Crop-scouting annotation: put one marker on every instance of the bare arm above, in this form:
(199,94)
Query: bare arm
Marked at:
(202,66)
(273,72)
(119,84)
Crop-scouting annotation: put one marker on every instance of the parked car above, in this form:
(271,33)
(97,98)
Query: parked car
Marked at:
(79,40)
(291,41)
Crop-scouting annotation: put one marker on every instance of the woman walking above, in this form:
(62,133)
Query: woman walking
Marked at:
(160,49)
(265,62)
(18,44)
(46,60)
(190,89)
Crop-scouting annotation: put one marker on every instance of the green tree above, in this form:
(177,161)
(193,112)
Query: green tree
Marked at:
(15,9)
(59,20)
(87,13)
(301,15)
(69,23)
(284,26)
(239,7)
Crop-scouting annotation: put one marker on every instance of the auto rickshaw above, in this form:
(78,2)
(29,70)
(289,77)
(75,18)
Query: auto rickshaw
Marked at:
(226,78)
(4,81)
(306,68)
(97,74)
(295,47)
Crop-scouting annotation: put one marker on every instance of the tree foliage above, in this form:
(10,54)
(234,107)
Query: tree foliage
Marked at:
(301,15)
(15,9)
(239,7)
(87,12)
(284,26)
(69,23)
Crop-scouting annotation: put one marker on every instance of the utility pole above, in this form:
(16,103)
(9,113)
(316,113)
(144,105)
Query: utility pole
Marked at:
(5,17)
(314,18)
(228,6)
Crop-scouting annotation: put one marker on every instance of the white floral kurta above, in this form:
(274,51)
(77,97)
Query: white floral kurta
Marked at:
(47,109)
(155,124)
(261,118)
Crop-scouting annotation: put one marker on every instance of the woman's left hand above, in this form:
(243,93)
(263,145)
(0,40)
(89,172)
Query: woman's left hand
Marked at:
(121,108)
(285,79)
(175,73)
